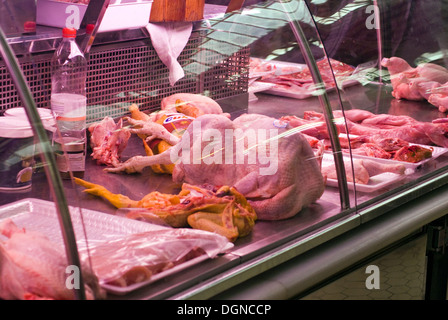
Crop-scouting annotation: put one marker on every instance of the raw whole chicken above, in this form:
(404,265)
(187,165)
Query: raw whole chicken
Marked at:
(191,104)
(295,180)
(413,83)
(33,267)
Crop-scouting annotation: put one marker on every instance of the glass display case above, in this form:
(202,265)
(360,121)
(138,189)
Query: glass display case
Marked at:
(294,141)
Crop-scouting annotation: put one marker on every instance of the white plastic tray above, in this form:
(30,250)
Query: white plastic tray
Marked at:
(303,93)
(385,179)
(259,86)
(118,16)
(40,215)
(281,68)
(437,152)
(377,182)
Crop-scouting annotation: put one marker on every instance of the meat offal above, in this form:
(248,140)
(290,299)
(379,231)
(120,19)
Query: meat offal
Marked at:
(223,211)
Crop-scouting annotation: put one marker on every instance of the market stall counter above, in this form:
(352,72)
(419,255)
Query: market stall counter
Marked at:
(362,169)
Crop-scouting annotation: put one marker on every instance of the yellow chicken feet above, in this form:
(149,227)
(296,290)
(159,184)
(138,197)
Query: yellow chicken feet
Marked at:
(117,200)
(157,134)
(152,130)
(138,163)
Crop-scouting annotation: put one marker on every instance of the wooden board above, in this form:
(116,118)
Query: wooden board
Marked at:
(177,10)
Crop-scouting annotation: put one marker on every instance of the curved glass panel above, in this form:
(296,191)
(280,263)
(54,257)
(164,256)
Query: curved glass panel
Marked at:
(214,66)
(393,117)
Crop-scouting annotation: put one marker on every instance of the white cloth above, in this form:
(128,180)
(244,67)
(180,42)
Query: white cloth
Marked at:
(169,39)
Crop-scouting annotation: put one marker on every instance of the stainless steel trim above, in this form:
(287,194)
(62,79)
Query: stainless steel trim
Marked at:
(326,108)
(303,272)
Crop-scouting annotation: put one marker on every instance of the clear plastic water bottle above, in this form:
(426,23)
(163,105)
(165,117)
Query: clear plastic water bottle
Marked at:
(68,103)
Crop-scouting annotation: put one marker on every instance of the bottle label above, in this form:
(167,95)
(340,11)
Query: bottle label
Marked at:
(69,106)
(71,162)
(70,154)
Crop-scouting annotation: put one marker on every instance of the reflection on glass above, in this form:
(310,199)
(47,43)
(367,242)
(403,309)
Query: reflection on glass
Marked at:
(18,17)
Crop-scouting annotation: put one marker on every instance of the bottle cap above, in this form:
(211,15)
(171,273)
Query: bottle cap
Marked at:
(69,33)
(29,26)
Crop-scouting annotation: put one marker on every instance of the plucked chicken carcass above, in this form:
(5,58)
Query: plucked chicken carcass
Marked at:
(295,180)
(191,104)
(33,267)
(224,211)
(413,83)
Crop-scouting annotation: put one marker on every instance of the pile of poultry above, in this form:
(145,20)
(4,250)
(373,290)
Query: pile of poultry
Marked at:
(277,196)
(252,195)
(385,136)
(427,81)
(293,79)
